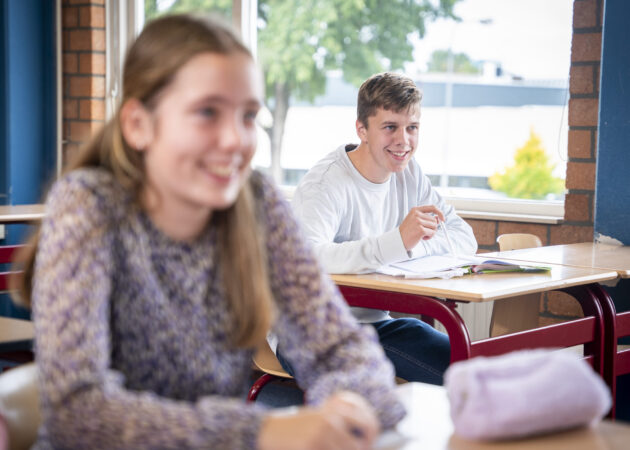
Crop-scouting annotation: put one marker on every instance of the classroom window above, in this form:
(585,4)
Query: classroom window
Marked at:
(494,111)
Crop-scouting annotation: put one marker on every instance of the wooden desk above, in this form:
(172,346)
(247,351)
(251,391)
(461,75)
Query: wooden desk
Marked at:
(16,334)
(21,213)
(436,298)
(585,254)
(428,426)
(481,287)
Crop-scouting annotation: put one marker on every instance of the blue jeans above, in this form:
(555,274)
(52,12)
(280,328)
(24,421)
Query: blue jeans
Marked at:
(417,350)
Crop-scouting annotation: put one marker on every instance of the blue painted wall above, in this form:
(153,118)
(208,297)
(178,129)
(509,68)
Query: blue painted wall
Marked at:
(612,195)
(612,198)
(28,112)
(3,163)
(27,109)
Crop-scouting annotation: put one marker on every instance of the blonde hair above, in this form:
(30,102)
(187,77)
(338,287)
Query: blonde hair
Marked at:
(163,47)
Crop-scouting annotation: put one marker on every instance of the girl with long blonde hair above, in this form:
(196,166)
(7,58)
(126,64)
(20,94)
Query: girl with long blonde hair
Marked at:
(163,261)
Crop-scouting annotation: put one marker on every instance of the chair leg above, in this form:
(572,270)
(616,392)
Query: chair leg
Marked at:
(259,384)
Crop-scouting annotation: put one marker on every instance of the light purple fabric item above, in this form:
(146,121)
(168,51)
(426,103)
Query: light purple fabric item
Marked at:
(523,393)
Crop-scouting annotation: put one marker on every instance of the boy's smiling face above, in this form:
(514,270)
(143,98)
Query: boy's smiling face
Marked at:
(391,139)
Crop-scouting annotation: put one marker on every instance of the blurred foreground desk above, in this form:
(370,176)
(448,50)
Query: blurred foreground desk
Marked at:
(21,213)
(428,426)
(15,334)
(16,340)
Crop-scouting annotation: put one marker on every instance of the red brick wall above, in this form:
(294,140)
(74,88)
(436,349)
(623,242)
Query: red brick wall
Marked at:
(83,53)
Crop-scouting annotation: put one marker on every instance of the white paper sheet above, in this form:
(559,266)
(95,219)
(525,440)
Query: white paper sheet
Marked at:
(430,267)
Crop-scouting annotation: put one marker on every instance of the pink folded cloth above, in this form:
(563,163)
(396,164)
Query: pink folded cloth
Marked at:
(523,393)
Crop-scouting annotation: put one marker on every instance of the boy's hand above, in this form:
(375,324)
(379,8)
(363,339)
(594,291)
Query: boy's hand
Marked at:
(421,223)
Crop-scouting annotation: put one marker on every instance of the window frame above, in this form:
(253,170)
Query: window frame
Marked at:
(124,23)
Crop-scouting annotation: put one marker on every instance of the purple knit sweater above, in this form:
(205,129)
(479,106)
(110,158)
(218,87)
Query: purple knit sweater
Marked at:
(131,327)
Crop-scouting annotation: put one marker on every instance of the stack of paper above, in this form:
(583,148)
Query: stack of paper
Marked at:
(450,266)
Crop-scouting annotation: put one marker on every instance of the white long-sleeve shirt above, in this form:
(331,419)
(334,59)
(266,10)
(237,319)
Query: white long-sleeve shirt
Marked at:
(353,223)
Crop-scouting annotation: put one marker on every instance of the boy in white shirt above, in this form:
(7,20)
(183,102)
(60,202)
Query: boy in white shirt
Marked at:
(365,206)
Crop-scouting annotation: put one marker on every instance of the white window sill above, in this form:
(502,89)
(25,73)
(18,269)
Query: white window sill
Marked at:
(528,218)
(512,210)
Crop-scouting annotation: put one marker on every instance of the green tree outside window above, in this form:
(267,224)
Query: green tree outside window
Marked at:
(461,63)
(531,175)
(299,41)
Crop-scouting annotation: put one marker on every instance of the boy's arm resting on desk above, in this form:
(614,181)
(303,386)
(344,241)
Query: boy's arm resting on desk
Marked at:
(362,256)
(320,221)
(84,401)
(327,348)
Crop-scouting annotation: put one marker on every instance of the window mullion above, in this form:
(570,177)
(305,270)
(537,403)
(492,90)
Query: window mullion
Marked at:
(245,16)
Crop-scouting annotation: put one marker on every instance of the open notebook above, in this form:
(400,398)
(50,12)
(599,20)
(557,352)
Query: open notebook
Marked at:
(450,266)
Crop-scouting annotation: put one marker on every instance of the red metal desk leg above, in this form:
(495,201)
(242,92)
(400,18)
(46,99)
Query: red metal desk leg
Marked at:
(443,311)
(591,306)
(610,340)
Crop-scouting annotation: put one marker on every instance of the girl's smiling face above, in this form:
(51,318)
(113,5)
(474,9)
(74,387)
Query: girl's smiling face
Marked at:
(199,139)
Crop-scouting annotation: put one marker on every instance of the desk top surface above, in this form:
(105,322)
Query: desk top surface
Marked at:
(482,287)
(15,330)
(584,254)
(428,426)
(21,213)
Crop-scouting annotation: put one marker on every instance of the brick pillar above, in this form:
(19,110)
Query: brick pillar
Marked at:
(83,50)
(583,111)
(582,151)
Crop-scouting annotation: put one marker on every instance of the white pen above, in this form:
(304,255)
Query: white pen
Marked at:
(448,240)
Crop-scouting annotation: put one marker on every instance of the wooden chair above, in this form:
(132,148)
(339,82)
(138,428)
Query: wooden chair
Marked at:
(265,361)
(518,313)
(19,406)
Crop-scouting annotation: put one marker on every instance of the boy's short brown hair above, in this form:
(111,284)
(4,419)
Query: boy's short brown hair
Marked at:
(387,90)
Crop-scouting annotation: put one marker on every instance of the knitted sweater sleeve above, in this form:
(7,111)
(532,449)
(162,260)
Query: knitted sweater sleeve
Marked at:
(84,401)
(327,348)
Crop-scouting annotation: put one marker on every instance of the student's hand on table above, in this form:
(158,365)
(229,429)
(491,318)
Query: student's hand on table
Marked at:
(420,224)
(343,421)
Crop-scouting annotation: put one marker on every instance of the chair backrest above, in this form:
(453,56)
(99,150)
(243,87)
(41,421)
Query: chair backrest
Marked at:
(265,360)
(515,241)
(19,405)
(7,253)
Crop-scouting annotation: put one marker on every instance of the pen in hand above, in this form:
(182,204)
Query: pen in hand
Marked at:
(451,248)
